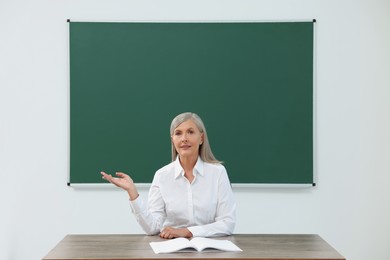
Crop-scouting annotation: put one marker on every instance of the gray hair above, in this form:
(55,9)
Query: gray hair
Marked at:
(205,152)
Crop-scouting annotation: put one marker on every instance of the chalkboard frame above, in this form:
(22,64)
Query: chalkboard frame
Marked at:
(94,180)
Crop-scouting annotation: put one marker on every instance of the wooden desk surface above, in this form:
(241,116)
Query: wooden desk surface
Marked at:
(134,247)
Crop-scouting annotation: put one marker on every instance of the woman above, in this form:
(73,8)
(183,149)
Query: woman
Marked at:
(189,197)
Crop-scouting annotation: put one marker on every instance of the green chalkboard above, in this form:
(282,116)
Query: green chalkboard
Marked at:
(250,82)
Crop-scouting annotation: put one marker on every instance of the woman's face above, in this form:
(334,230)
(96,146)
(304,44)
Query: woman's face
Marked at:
(187,138)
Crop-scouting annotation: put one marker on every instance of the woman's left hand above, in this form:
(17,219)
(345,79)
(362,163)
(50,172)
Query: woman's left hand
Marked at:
(170,232)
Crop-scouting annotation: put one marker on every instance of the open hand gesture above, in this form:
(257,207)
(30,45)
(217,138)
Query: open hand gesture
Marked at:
(122,181)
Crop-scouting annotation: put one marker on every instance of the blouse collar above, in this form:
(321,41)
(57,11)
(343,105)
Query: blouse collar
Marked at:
(198,168)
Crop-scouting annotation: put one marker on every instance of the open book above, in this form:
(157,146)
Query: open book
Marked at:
(197,243)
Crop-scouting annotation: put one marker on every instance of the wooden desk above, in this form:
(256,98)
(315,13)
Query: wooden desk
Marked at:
(134,247)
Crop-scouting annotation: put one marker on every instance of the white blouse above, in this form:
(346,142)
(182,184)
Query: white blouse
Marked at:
(206,206)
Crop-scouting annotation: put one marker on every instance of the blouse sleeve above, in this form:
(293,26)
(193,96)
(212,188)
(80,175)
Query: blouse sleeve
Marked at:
(151,217)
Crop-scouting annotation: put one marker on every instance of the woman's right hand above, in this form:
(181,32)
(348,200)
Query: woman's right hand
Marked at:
(122,181)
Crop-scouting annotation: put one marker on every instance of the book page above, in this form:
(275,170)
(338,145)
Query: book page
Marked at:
(225,245)
(197,243)
(171,245)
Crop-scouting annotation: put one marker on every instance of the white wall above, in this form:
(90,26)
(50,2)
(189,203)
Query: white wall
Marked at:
(349,208)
